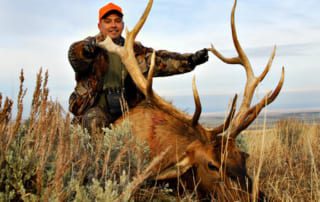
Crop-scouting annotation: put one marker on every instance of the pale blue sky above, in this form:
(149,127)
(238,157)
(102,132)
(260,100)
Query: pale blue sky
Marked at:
(37,33)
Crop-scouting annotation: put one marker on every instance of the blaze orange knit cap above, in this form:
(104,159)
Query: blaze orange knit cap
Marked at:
(108,8)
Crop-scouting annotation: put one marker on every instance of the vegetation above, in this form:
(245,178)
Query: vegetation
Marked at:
(289,155)
(46,158)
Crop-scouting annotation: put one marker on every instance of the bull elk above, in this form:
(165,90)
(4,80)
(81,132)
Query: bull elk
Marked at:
(211,153)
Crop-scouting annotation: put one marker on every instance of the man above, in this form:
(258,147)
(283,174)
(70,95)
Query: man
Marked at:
(102,79)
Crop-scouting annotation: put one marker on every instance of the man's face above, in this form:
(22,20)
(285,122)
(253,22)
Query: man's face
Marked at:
(111,26)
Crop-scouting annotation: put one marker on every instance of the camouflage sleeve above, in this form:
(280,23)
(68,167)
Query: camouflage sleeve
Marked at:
(167,63)
(79,61)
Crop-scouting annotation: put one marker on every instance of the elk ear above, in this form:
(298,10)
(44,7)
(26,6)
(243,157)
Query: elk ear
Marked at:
(176,170)
(184,164)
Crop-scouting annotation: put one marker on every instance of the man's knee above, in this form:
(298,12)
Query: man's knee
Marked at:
(94,119)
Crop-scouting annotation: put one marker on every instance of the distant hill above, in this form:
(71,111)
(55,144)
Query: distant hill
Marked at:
(213,119)
(286,102)
(298,105)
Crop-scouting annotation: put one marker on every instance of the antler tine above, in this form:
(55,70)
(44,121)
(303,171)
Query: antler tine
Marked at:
(234,60)
(254,111)
(243,57)
(131,36)
(197,102)
(268,66)
(219,129)
(149,91)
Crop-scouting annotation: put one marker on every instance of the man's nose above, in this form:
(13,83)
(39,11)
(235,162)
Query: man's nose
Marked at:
(113,23)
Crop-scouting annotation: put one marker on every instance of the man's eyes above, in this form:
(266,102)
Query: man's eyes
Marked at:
(110,21)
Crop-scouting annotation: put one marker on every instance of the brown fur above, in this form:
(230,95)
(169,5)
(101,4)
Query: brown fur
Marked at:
(161,131)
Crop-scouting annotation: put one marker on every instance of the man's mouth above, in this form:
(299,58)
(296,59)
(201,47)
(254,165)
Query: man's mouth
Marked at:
(113,31)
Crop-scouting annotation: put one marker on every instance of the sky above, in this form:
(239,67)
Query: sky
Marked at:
(37,34)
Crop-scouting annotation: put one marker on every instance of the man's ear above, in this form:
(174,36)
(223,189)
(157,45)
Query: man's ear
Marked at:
(99,25)
(123,28)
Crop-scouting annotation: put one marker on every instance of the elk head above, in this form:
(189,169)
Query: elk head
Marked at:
(211,151)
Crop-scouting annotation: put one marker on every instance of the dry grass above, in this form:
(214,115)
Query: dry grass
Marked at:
(45,158)
(290,163)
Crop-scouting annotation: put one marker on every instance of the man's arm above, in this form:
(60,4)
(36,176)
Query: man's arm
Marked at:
(82,53)
(169,63)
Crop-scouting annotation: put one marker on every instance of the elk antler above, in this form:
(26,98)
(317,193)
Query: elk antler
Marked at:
(247,114)
(224,126)
(127,56)
(197,102)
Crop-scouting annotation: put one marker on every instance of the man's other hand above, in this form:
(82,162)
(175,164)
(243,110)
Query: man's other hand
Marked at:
(199,57)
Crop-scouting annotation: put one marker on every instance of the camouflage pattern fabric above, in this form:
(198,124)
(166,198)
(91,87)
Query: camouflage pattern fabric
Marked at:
(94,119)
(82,97)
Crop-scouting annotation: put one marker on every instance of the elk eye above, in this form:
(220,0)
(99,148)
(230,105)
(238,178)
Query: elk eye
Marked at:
(212,167)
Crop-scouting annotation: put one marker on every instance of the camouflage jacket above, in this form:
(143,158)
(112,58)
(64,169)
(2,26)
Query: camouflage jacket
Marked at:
(90,72)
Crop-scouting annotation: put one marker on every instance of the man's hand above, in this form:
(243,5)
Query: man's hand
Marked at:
(199,57)
(89,48)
